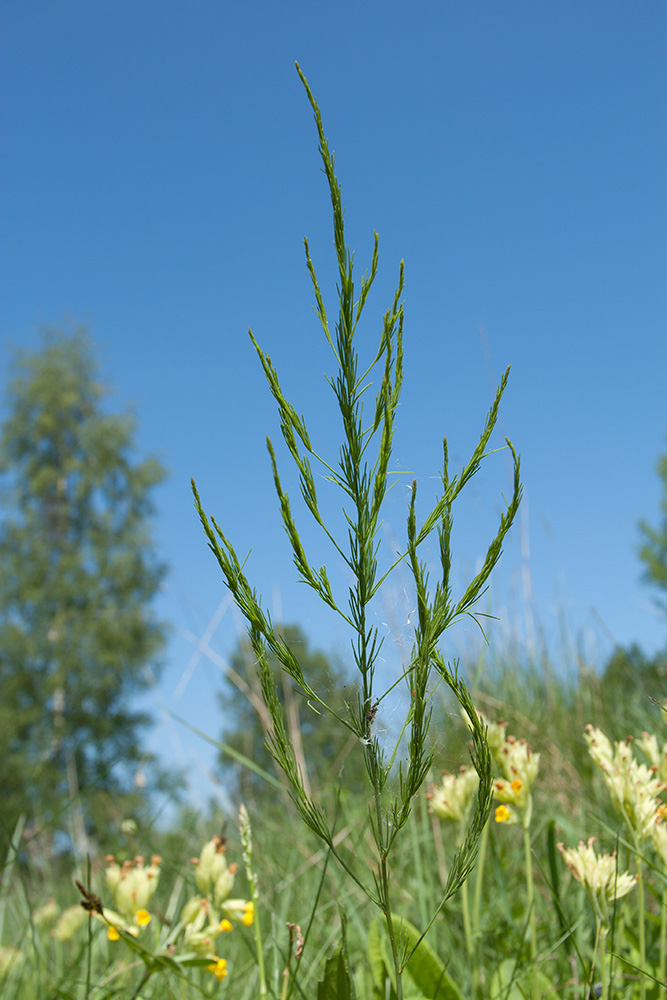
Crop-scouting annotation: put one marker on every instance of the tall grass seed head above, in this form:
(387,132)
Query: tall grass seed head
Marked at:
(453,797)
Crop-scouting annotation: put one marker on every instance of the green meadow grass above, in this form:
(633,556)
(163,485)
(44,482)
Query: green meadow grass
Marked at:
(299,884)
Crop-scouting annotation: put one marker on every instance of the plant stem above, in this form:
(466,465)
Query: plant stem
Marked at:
(384,878)
(479,882)
(530,892)
(662,964)
(642,928)
(471,942)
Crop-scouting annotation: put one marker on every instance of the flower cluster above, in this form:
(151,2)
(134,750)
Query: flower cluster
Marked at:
(452,799)
(520,767)
(205,917)
(132,885)
(634,787)
(598,874)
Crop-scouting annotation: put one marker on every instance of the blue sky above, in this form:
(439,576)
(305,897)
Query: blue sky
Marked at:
(160,170)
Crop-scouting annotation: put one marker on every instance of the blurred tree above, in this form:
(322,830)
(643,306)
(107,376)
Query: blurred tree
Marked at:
(631,677)
(323,753)
(77,574)
(653,551)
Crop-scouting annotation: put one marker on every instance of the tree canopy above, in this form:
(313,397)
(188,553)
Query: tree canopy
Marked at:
(78,572)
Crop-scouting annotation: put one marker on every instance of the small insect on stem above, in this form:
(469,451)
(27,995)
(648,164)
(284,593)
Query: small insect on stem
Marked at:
(370,717)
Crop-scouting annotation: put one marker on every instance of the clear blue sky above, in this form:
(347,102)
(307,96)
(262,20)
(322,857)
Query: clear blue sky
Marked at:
(159,172)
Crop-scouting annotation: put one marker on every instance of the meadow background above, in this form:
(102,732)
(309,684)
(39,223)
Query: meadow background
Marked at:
(160,170)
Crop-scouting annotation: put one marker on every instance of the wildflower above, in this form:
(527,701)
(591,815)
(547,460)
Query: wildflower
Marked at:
(657,757)
(214,876)
(69,922)
(218,968)
(453,798)
(505,815)
(133,886)
(633,787)
(10,958)
(520,767)
(226,926)
(659,834)
(46,915)
(597,873)
(495,733)
(239,911)
(112,933)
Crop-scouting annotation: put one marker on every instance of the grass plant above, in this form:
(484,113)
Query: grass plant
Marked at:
(378,897)
(362,475)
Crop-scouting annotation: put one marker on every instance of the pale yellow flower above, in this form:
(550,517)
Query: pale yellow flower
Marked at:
(453,797)
(633,787)
(69,922)
(133,885)
(598,873)
(213,875)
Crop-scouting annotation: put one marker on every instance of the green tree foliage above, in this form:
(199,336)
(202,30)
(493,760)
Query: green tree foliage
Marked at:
(653,551)
(77,575)
(247,721)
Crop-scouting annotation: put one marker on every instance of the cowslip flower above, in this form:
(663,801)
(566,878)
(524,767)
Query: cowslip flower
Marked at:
(520,767)
(213,875)
(70,921)
(239,910)
(599,875)
(201,925)
(657,758)
(11,958)
(452,798)
(634,788)
(495,733)
(133,886)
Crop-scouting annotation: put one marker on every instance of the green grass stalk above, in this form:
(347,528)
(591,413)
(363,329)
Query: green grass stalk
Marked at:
(530,899)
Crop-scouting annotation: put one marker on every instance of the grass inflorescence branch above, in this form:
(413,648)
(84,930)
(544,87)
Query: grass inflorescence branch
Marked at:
(361,471)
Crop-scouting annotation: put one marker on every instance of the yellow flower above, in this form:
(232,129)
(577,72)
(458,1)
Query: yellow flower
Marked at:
(112,933)
(502,814)
(225,926)
(143,917)
(249,914)
(219,968)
